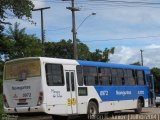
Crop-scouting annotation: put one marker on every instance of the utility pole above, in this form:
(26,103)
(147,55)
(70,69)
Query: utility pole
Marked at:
(42,26)
(142,56)
(74,32)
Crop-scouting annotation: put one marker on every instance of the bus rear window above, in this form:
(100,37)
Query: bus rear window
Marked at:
(15,69)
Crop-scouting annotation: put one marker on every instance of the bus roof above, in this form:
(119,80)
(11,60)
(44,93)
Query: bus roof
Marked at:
(84,63)
(113,65)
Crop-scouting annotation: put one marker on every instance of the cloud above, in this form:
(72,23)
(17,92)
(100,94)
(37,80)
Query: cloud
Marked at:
(110,22)
(128,55)
(153,46)
(38,4)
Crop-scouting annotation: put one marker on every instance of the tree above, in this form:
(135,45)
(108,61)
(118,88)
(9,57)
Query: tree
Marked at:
(62,49)
(96,56)
(14,8)
(83,51)
(102,56)
(5,46)
(156,73)
(21,44)
(49,48)
(106,53)
(136,63)
(1,74)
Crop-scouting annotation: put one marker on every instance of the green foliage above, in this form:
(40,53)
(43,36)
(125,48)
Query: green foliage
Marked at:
(106,54)
(156,73)
(19,44)
(83,51)
(1,75)
(1,105)
(102,56)
(96,56)
(15,8)
(64,49)
(136,63)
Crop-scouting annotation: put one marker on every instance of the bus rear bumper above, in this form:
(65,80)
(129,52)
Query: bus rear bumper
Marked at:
(17,110)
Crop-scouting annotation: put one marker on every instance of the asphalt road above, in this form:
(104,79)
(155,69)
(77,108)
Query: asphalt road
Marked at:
(147,114)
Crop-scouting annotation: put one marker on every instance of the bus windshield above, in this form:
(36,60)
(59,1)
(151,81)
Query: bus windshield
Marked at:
(17,69)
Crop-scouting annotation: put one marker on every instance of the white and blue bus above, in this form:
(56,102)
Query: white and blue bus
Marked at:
(63,87)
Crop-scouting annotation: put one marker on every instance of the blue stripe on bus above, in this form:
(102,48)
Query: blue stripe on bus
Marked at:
(103,64)
(115,93)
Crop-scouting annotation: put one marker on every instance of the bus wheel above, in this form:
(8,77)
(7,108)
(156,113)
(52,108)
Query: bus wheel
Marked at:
(56,117)
(139,107)
(92,110)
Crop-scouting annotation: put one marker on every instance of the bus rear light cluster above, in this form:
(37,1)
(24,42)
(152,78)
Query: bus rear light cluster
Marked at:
(5,101)
(40,99)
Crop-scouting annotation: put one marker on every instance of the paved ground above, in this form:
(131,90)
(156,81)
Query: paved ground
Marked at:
(147,114)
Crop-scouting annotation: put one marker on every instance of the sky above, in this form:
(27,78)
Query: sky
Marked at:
(129,27)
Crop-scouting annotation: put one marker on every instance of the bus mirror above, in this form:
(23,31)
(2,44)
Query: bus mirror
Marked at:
(151,77)
(150,81)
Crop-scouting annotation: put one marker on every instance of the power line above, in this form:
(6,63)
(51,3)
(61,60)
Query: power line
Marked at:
(49,1)
(101,2)
(112,39)
(50,30)
(129,2)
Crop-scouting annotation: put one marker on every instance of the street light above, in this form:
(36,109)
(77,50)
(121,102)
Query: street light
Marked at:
(93,13)
(74,30)
(73,9)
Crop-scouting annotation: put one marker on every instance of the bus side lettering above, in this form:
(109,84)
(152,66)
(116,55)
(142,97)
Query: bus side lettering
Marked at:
(103,93)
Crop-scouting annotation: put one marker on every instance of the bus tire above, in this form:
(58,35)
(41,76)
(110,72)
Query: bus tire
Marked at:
(139,107)
(92,110)
(157,105)
(56,117)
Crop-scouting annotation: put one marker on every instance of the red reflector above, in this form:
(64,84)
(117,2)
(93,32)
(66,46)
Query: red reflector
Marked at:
(41,93)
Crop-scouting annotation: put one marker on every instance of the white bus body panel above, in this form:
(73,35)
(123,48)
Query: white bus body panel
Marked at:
(56,97)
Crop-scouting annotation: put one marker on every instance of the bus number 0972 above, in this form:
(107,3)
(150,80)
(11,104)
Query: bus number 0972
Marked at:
(27,95)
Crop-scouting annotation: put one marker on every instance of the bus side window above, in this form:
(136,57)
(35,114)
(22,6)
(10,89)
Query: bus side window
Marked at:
(140,77)
(114,77)
(54,74)
(104,75)
(130,77)
(125,77)
(90,75)
(79,75)
(120,76)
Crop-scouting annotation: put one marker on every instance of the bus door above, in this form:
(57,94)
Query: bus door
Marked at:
(151,90)
(71,92)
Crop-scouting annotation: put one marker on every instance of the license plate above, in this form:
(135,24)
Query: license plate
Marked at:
(22,100)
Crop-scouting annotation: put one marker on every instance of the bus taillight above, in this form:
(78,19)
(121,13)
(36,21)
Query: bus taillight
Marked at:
(40,99)
(5,101)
